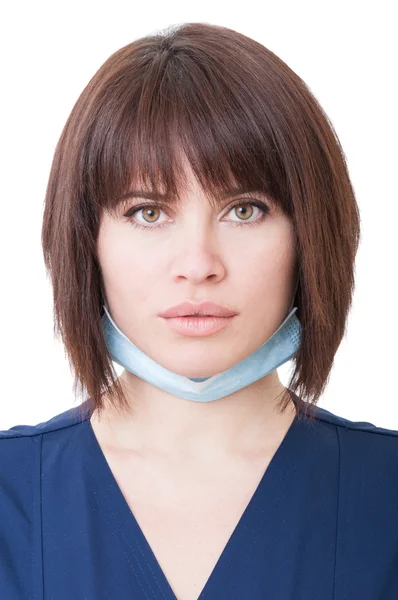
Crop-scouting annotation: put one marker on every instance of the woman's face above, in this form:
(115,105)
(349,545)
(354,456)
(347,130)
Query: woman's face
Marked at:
(236,257)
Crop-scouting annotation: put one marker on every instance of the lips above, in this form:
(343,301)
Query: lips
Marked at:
(203,309)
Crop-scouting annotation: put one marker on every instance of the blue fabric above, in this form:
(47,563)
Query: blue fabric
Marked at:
(321,525)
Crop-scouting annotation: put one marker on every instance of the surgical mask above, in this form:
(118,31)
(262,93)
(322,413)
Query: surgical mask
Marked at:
(278,349)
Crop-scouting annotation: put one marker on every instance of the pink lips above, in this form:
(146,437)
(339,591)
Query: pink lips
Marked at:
(198,326)
(203,309)
(212,318)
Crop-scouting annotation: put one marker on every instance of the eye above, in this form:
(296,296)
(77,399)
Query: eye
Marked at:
(244,211)
(150,212)
(247,213)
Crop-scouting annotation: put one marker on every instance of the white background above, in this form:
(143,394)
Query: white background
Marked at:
(347,54)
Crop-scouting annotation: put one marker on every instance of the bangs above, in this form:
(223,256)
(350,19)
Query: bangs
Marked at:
(172,107)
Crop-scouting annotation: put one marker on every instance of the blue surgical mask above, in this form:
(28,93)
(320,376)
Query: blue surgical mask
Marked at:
(277,350)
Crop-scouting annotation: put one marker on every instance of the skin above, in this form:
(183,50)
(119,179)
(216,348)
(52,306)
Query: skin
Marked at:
(199,254)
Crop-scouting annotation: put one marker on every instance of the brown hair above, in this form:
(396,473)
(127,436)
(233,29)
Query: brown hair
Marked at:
(242,117)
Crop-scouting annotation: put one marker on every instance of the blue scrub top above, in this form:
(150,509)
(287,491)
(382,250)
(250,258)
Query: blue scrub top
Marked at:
(321,525)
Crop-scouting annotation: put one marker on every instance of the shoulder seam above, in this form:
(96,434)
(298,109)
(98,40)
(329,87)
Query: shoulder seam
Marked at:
(377,430)
(35,433)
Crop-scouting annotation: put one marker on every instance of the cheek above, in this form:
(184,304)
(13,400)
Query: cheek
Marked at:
(265,258)
(127,270)
(263,272)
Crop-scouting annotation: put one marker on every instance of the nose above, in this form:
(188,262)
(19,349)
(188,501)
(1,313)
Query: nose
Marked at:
(198,257)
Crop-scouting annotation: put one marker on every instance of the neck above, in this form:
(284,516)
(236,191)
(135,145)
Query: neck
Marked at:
(247,420)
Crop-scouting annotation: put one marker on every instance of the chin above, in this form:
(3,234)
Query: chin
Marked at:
(207,368)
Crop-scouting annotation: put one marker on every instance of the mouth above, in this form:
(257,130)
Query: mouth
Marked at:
(195,310)
(198,325)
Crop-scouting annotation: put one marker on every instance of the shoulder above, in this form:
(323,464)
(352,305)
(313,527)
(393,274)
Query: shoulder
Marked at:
(361,434)
(19,440)
(21,445)
(21,451)
(361,444)
(21,465)
(21,456)
(367,462)
(364,482)
(67,418)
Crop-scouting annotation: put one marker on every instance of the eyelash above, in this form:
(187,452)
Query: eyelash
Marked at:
(263,207)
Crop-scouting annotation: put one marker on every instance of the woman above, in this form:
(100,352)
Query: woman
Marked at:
(200,230)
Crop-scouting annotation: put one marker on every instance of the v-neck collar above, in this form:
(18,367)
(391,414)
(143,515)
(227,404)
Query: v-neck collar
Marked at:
(136,548)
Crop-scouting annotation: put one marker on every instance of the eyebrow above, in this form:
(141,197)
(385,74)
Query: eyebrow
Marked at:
(151,195)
